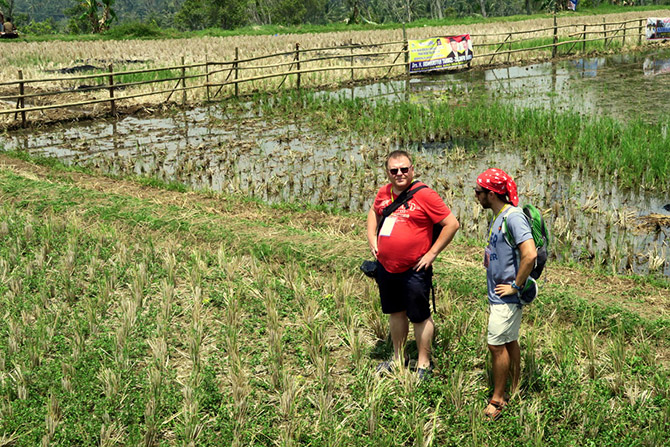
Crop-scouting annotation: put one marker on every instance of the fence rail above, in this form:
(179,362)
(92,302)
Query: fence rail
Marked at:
(212,77)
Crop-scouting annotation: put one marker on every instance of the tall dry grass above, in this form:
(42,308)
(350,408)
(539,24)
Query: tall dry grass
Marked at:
(42,60)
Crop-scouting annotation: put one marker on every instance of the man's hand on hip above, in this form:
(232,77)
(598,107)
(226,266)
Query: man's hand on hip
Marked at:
(505,290)
(425,262)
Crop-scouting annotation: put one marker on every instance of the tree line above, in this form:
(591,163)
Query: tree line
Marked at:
(94,16)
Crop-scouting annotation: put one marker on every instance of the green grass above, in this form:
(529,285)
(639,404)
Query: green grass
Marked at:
(613,43)
(267,332)
(150,76)
(635,151)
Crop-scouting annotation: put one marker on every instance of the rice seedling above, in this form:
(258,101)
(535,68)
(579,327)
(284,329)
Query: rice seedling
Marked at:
(18,376)
(531,418)
(128,318)
(67,371)
(617,355)
(589,344)
(112,434)
(275,333)
(110,382)
(354,339)
(563,350)
(152,425)
(456,388)
(52,419)
(15,336)
(192,425)
(196,335)
(138,284)
(374,317)
(289,397)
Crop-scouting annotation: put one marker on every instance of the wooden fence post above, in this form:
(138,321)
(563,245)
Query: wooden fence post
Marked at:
(22,101)
(297,58)
(509,46)
(554,48)
(237,57)
(605,31)
(183,82)
(405,48)
(207,75)
(112,103)
(351,58)
(639,35)
(584,41)
(623,40)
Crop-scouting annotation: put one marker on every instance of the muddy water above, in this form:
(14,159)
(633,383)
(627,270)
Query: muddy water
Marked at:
(591,219)
(622,86)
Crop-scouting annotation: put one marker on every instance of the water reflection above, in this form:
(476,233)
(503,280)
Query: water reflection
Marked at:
(656,66)
(616,85)
(588,68)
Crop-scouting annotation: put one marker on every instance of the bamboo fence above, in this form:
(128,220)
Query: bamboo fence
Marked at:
(215,80)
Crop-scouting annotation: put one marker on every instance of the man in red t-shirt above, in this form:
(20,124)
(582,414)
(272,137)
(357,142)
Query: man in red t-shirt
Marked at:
(405,253)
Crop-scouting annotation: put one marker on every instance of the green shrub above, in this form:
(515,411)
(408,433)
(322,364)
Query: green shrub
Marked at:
(136,30)
(45,27)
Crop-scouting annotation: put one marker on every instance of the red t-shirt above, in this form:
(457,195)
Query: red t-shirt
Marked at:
(412,233)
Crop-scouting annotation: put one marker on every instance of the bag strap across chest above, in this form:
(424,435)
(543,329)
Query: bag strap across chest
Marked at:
(402,199)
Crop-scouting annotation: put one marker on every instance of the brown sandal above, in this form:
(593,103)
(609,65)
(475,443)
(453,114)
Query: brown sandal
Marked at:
(498,410)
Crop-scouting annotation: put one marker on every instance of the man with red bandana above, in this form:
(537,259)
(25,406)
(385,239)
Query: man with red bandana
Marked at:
(405,253)
(508,265)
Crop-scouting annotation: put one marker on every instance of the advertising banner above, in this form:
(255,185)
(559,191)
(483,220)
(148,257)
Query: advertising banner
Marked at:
(658,28)
(438,53)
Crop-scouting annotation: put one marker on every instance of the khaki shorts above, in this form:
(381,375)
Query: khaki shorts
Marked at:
(504,323)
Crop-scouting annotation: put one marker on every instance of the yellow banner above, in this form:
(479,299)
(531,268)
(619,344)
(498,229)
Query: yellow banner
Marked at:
(438,53)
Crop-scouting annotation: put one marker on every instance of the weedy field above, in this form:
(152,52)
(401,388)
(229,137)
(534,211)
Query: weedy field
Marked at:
(140,315)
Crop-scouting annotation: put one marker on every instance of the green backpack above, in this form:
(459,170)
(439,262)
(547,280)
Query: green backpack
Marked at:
(540,236)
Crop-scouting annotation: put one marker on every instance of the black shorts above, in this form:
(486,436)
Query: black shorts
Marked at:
(408,291)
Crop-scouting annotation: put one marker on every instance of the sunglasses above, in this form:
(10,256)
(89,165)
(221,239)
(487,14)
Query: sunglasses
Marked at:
(479,191)
(394,171)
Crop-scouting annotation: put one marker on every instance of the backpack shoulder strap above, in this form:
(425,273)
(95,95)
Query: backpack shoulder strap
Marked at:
(507,232)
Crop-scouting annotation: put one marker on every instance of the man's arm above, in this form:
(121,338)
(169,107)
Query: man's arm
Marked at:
(450,226)
(372,222)
(528,255)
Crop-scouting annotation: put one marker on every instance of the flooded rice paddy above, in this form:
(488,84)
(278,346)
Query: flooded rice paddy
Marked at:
(591,219)
(621,86)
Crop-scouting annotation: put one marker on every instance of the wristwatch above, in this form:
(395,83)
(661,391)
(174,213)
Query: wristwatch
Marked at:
(515,286)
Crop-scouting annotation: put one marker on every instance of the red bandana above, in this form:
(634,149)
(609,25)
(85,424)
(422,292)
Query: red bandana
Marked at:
(500,182)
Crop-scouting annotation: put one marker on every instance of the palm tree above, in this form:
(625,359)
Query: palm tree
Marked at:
(90,14)
(108,15)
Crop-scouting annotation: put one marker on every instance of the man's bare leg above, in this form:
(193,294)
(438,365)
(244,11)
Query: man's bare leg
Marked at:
(423,332)
(399,326)
(514,353)
(500,361)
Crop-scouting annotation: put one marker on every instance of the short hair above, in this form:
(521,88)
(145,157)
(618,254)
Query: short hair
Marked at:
(397,154)
(502,197)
